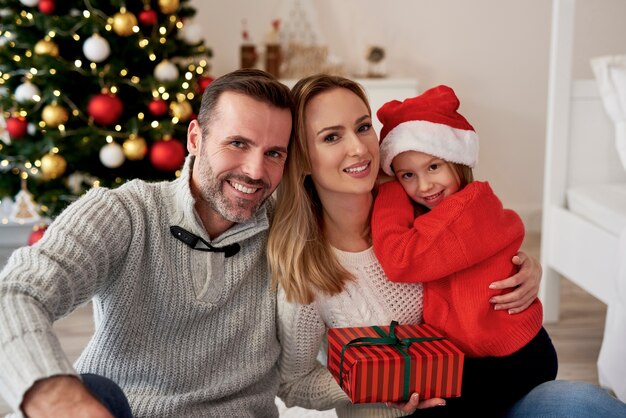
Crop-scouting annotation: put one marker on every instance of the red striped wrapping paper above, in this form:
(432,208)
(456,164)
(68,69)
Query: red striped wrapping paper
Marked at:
(376,373)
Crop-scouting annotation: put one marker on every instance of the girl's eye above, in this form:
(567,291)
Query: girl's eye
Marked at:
(433,167)
(407,176)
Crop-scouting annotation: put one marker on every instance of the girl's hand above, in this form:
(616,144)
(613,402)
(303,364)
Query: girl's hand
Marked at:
(414,404)
(525,284)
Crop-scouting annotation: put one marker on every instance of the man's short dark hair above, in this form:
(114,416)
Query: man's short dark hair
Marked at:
(253,83)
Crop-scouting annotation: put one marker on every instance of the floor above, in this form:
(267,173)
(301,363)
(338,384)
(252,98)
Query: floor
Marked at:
(577,336)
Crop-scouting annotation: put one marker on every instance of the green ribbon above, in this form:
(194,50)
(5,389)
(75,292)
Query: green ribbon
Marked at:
(401,344)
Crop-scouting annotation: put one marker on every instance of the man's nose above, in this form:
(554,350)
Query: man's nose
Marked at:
(254,166)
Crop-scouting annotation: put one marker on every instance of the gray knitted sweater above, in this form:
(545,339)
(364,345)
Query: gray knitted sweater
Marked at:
(185,333)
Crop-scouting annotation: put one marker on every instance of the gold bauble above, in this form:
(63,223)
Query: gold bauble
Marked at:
(47,47)
(123,23)
(135,147)
(181,110)
(54,115)
(169,6)
(52,166)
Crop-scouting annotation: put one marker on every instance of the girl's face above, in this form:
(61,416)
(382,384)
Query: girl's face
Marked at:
(426,179)
(342,144)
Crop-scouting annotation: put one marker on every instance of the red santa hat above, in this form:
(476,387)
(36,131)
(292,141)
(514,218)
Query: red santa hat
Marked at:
(428,123)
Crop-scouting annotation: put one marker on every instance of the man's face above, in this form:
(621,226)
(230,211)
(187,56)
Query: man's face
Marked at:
(240,160)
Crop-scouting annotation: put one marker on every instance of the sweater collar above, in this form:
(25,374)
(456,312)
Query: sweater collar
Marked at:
(185,215)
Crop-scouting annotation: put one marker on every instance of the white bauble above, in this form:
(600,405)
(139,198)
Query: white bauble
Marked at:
(31,128)
(192,33)
(112,155)
(26,92)
(166,71)
(30,3)
(96,48)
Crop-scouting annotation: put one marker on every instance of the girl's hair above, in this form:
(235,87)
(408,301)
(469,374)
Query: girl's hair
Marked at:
(466,176)
(300,257)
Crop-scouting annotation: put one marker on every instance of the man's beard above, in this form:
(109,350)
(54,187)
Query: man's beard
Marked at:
(211,191)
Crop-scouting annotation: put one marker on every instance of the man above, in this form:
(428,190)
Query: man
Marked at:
(185,318)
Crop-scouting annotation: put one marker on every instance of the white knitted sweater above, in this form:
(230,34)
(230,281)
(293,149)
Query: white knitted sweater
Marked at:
(185,333)
(369,300)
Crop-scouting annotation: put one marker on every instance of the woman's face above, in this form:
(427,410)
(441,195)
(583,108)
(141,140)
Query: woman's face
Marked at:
(342,144)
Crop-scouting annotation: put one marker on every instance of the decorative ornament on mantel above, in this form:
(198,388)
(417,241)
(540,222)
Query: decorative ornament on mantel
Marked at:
(24,210)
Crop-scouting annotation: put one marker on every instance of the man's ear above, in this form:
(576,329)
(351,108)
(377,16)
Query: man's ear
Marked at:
(194,136)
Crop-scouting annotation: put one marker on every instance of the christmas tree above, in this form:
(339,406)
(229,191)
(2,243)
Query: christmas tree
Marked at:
(94,93)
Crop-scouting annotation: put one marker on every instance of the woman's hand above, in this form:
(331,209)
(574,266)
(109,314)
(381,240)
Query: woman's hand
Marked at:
(414,404)
(525,285)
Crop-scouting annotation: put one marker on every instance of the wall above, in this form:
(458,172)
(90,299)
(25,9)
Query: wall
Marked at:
(493,52)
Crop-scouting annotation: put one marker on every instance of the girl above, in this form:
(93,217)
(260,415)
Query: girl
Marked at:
(460,242)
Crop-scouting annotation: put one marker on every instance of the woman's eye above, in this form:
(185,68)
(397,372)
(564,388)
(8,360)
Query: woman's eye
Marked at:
(365,127)
(331,138)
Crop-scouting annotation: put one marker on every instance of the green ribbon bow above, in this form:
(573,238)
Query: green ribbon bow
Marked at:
(401,344)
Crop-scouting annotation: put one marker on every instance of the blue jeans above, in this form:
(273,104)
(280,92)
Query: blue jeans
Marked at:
(566,399)
(109,394)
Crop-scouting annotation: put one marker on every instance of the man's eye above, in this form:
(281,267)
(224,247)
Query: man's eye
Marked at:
(237,144)
(274,154)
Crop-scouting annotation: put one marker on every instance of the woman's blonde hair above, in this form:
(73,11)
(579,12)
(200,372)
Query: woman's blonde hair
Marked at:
(300,257)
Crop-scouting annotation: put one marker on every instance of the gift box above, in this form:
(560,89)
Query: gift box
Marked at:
(389,363)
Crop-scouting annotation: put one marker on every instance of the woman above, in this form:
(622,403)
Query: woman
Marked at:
(321,256)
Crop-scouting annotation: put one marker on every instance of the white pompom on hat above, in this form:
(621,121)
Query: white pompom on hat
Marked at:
(428,123)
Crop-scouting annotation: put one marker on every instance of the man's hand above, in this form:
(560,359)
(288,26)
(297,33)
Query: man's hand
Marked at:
(62,396)
(525,284)
(414,404)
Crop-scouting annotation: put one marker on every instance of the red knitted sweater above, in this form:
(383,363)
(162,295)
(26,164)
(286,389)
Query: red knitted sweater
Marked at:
(456,250)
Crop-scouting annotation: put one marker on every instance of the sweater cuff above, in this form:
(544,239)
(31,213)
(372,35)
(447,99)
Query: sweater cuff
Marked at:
(32,358)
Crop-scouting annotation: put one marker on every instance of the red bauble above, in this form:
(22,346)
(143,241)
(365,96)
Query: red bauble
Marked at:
(148,17)
(47,6)
(158,107)
(36,234)
(17,126)
(105,108)
(203,83)
(167,155)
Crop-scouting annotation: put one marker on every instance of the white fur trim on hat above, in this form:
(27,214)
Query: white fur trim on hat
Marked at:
(450,144)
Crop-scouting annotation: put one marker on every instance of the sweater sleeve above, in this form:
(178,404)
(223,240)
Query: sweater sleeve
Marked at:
(465,229)
(305,382)
(73,261)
